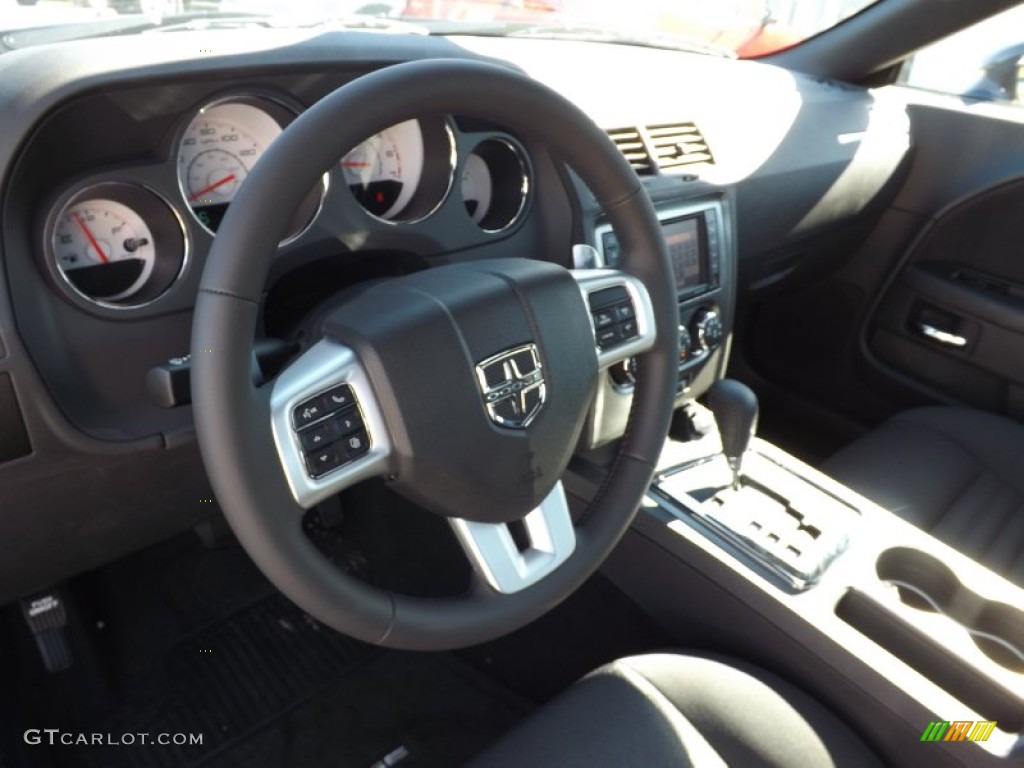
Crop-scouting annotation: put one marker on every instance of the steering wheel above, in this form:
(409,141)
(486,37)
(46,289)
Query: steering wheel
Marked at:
(466,386)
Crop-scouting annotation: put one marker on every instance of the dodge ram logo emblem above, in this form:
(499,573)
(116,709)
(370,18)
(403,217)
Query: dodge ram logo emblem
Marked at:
(512,384)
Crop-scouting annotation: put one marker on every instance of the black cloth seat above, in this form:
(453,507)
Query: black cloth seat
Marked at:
(954,472)
(673,710)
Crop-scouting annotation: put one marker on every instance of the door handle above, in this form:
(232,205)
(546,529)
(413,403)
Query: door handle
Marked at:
(939,336)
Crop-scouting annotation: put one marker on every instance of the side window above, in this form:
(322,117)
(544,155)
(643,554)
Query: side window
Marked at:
(984,61)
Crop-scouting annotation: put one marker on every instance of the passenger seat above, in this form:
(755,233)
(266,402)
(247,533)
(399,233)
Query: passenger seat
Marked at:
(954,472)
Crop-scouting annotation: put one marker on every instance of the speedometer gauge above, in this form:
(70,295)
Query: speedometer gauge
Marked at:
(383,173)
(219,148)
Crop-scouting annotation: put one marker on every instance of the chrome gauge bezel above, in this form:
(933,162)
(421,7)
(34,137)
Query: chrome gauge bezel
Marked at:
(282,111)
(437,179)
(513,183)
(172,243)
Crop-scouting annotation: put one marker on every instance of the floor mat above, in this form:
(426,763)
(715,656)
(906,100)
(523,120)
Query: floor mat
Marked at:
(223,682)
(400,709)
(270,686)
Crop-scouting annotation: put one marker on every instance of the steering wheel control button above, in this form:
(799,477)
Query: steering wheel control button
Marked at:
(603,318)
(331,430)
(307,412)
(614,316)
(625,311)
(348,422)
(325,460)
(338,398)
(609,337)
(318,436)
(512,385)
(354,445)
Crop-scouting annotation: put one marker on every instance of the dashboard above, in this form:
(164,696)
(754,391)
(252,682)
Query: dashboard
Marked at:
(119,159)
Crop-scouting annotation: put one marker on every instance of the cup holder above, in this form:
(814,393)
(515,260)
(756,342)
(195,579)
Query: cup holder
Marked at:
(925,583)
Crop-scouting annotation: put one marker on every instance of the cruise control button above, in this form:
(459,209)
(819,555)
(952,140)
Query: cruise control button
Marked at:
(307,412)
(338,398)
(316,437)
(324,460)
(628,329)
(608,337)
(603,318)
(354,445)
(625,311)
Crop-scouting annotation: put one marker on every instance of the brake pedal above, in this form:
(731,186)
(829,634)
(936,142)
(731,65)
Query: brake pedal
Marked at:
(47,619)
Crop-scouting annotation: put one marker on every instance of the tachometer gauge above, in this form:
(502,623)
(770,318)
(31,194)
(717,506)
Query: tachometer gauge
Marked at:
(115,245)
(384,171)
(219,148)
(104,249)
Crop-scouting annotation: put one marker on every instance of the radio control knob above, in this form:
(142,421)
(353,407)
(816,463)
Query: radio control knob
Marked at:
(708,329)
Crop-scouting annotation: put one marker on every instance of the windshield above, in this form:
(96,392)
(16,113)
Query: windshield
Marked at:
(744,28)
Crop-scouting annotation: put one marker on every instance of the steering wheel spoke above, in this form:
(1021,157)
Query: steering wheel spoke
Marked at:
(510,557)
(327,425)
(621,314)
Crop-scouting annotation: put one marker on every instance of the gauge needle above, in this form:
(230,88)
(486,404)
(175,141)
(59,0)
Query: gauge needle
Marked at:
(353,164)
(92,240)
(211,187)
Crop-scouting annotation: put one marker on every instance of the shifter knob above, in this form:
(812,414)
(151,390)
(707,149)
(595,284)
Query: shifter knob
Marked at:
(735,408)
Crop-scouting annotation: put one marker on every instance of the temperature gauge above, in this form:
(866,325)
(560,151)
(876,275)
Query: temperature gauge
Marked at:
(116,245)
(104,249)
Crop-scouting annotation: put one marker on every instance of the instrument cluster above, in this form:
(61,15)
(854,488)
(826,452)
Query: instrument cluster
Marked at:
(117,243)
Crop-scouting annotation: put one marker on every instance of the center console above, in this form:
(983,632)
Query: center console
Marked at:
(699,239)
(746,550)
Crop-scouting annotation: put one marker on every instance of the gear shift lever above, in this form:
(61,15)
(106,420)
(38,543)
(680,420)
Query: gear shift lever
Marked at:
(735,408)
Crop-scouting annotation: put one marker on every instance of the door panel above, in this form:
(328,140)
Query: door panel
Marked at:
(931,307)
(953,318)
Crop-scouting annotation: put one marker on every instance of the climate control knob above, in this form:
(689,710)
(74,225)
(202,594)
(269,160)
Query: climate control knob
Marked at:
(708,330)
(685,344)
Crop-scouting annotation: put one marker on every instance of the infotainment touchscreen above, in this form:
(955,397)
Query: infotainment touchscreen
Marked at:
(686,241)
(682,239)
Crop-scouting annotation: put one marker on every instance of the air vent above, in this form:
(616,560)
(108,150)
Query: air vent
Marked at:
(632,146)
(679,146)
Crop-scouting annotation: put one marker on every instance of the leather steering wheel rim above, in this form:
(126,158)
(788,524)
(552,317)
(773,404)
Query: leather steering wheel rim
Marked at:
(232,415)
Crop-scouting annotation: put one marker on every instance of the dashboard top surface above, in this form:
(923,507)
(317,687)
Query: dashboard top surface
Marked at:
(117,110)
